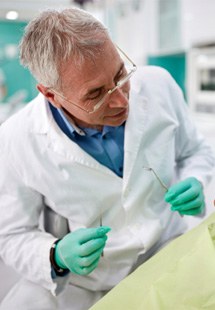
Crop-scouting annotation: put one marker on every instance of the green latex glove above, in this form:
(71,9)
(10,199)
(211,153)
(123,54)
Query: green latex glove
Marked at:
(186,197)
(80,251)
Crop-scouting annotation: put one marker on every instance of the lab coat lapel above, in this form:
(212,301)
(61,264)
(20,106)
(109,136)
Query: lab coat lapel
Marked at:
(62,145)
(134,132)
(59,143)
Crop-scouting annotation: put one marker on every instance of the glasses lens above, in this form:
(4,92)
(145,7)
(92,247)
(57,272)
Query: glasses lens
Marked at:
(119,84)
(125,79)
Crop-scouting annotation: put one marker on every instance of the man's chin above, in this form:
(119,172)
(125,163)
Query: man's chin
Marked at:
(116,120)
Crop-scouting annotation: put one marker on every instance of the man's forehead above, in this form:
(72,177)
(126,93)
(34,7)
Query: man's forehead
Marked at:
(91,73)
(85,75)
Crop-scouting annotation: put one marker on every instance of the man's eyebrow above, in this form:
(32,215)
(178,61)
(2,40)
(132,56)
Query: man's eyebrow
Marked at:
(95,89)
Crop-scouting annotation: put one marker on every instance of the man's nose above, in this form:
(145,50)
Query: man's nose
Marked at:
(118,98)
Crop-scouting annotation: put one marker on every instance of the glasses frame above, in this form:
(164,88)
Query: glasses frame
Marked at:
(119,84)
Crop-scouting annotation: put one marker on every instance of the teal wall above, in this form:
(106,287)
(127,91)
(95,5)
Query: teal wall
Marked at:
(175,64)
(16,76)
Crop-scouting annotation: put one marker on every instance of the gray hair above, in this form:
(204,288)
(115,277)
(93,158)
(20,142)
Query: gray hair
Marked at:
(52,38)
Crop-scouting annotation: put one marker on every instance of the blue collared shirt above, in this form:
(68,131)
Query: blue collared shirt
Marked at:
(106,146)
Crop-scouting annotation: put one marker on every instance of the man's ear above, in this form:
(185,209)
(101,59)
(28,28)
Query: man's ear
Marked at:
(50,96)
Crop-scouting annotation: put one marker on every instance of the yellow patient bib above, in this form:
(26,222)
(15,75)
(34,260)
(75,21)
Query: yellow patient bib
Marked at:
(180,276)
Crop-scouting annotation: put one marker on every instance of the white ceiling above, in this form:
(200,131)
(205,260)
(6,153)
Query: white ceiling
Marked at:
(29,8)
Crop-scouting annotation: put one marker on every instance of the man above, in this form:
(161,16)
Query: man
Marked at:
(98,151)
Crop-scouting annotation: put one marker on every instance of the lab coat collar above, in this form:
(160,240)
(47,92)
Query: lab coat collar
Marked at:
(40,106)
(56,140)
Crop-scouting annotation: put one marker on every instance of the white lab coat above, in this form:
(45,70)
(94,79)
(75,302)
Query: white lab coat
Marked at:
(41,166)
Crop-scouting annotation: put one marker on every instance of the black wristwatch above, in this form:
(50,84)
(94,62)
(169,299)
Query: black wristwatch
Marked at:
(58,270)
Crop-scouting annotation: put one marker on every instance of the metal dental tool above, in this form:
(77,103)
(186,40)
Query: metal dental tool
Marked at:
(159,180)
(157,177)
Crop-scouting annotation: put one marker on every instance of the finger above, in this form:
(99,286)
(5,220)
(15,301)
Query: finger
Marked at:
(91,246)
(87,261)
(86,234)
(189,195)
(177,189)
(86,270)
(192,204)
(193,211)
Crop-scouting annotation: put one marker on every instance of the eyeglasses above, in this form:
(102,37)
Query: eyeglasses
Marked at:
(92,106)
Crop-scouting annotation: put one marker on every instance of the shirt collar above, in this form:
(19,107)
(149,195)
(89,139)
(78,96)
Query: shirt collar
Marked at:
(83,131)
(72,127)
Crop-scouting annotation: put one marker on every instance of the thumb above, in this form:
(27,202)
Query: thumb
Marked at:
(88,234)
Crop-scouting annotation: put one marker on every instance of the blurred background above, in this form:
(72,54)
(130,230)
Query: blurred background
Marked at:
(178,35)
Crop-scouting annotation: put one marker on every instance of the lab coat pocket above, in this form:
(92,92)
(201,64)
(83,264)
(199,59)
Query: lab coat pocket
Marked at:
(161,158)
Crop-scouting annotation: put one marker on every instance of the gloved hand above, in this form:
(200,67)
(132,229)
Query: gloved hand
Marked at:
(186,197)
(80,251)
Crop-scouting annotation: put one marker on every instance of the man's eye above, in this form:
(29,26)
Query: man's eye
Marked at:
(121,74)
(95,95)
